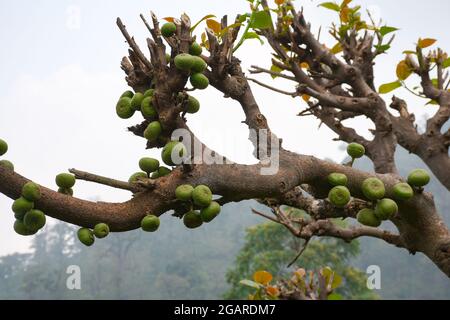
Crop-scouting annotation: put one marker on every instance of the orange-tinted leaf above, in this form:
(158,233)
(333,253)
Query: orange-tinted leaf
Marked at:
(388,87)
(425,43)
(214,25)
(279,2)
(273,291)
(262,277)
(345,14)
(201,20)
(403,70)
(336,49)
(345,3)
(306,97)
(304,65)
(169,19)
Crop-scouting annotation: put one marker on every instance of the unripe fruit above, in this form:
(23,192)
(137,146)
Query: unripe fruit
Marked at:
(403,191)
(202,196)
(192,219)
(68,192)
(7,164)
(127,94)
(3,147)
(184,192)
(149,93)
(34,220)
(367,217)
(337,179)
(136,101)
(184,61)
(101,230)
(137,176)
(193,105)
(199,65)
(386,209)
(210,212)
(195,49)
(124,109)
(153,131)
(65,180)
(21,206)
(339,196)
(150,223)
(373,189)
(86,237)
(147,109)
(199,81)
(31,191)
(168,29)
(419,178)
(355,150)
(148,165)
(162,172)
(173,153)
(20,228)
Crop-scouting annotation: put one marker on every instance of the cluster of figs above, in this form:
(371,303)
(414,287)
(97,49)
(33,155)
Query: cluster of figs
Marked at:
(374,191)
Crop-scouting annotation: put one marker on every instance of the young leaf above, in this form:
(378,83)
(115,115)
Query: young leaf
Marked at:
(403,70)
(345,3)
(275,68)
(273,291)
(253,35)
(214,25)
(335,296)
(432,102)
(409,52)
(279,2)
(446,63)
(386,30)
(262,277)
(336,49)
(425,43)
(201,20)
(383,48)
(250,283)
(388,87)
(169,19)
(330,5)
(261,20)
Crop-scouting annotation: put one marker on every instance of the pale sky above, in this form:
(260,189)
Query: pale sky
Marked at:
(60,79)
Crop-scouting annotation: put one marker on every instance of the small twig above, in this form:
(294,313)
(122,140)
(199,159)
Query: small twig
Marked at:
(265,216)
(305,245)
(257,69)
(292,94)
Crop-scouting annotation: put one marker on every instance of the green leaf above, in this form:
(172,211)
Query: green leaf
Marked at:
(446,63)
(432,102)
(409,52)
(386,30)
(253,35)
(250,283)
(388,87)
(331,5)
(335,296)
(331,278)
(261,20)
(383,48)
(275,68)
(435,82)
(201,20)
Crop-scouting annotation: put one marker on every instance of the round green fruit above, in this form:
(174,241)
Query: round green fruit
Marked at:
(184,61)
(193,105)
(386,209)
(195,49)
(173,153)
(86,236)
(153,131)
(210,212)
(7,164)
(419,178)
(3,147)
(31,191)
(199,81)
(147,109)
(101,230)
(136,176)
(124,109)
(127,94)
(192,219)
(65,180)
(339,196)
(356,150)
(202,196)
(162,172)
(150,223)
(20,228)
(368,218)
(168,29)
(337,179)
(136,101)
(148,165)
(21,206)
(68,192)
(34,220)
(199,65)
(149,93)
(373,189)
(184,192)
(403,191)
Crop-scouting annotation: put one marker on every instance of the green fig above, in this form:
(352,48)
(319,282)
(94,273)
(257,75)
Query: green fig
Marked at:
(184,192)
(101,230)
(418,178)
(148,165)
(68,192)
(7,164)
(153,131)
(368,218)
(193,105)
(20,228)
(34,219)
(124,109)
(162,172)
(147,109)
(337,179)
(149,93)
(137,176)
(21,206)
(386,209)
(403,191)
(168,29)
(65,180)
(136,101)
(199,65)
(356,150)
(3,147)
(150,223)
(373,189)
(199,81)
(127,94)
(192,219)
(210,212)
(202,196)
(195,49)
(184,61)
(339,196)
(173,150)
(86,236)
(31,191)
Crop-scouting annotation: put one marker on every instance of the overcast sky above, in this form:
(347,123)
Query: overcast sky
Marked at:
(60,79)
